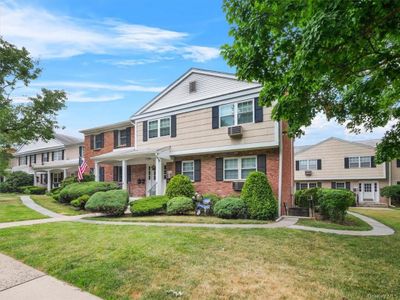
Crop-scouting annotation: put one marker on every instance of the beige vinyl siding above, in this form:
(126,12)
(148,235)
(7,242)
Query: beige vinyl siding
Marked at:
(206,86)
(71,152)
(332,153)
(194,131)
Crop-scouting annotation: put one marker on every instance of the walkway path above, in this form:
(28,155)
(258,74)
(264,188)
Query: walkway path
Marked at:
(19,281)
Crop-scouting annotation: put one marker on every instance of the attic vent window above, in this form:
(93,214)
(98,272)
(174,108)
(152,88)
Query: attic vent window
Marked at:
(192,87)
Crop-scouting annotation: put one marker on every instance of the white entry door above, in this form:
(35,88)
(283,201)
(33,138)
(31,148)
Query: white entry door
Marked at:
(151,180)
(369,191)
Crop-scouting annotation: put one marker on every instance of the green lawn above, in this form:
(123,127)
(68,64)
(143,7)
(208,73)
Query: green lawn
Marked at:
(135,262)
(180,219)
(53,205)
(12,209)
(350,223)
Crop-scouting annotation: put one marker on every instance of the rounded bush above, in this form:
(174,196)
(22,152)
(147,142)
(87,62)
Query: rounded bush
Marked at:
(179,206)
(75,190)
(80,202)
(392,192)
(179,185)
(230,208)
(149,205)
(32,190)
(16,180)
(112,202)
(259,198)
(73,178)
(333,204)
(301,197)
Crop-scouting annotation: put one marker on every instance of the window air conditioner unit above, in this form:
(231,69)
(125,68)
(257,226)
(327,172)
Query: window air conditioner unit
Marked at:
(308,173)
(237,185)
(235,131)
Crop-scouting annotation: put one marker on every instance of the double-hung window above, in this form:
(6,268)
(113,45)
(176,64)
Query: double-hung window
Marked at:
(57,155)
(45,157)
(188,169)
(98,141)
(365,162)
(340,185)
(122,137)
(308,164)
(236,113)
(160,127)
(239,168)
(360,162)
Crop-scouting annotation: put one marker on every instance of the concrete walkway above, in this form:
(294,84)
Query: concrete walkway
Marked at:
(19,281)
(27,201)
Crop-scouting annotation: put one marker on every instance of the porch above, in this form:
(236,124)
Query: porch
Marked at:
(140,172)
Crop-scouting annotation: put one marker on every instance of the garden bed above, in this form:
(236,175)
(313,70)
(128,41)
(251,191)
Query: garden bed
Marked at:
(350,223)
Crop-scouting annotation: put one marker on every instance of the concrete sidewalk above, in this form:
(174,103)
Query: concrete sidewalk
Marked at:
(19,282)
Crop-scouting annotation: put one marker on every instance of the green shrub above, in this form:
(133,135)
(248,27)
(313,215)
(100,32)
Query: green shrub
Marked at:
(112,202)
(75,190)
(16,180)
(230,208)
(179,206)
(301,197)
(149,206)
(392,192)
(80,202)
(72,179)
(333,204)
(179,185)
(32,190)
(259,198)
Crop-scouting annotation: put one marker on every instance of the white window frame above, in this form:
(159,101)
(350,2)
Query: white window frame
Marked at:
(95,141)
(341,183)
(359,162)
(240,168)
(183,172)
(235,113)
(45,157)
(59,155)
(158,128)
(307,183)
(119,137)
(308,164)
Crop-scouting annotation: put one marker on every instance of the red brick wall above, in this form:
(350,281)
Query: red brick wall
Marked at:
(208,183)
(287,169)
(135,189)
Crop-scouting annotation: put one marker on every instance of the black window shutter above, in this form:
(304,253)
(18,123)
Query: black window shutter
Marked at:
(115,173)
(297,165)
(319,164)
(92,142)
(62,155)
(129,173)
(128,137)
(197,170)
(19,161)
(42,158)
(346,162)
(115,139)
(34,159)
(297,186)
(101,175)
(52,155)
(219,169)
(398,163)
(144,131)
(347,185)
(102,139)
(373,164)
(333,184)
(173,126)
(319,184)
(215,117)
(262,163)
(258,112)
(178,167)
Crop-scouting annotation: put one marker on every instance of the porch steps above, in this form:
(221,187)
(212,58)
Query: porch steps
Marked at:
(372,204)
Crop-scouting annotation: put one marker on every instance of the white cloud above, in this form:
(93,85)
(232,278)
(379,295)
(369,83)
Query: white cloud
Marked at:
(47,35)
(81,97)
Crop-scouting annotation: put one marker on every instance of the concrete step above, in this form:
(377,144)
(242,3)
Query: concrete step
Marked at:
(372,204)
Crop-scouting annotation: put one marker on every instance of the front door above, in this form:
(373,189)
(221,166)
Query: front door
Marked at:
(151,180)
(369,191)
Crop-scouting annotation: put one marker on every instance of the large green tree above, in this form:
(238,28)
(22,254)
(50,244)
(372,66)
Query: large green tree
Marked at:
(339,58)
(23,122)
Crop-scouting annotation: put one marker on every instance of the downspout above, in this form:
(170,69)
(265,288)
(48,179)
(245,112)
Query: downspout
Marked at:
(390,180)
(280,171)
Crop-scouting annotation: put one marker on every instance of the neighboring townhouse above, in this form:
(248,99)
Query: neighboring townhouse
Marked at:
(49,161)
(340,164)
(206,125)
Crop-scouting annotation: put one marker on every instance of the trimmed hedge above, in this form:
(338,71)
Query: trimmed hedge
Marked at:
(32,190)
(179,185)
(393,192)
(149,205)
(75,190)
(80,202)
(230,208)
(112,202)
(333,204)
(179,206)
(72,179)
(259,198)
(15,180)
(301,197)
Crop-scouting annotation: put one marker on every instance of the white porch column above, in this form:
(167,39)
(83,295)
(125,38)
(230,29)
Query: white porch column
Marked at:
(48,180)
(65,173)
(159,176)
(96,171)
(34,178)
(124,176)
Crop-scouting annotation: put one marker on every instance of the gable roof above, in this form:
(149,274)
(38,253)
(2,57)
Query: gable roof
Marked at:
(154,104)
(365,143)
(107,127)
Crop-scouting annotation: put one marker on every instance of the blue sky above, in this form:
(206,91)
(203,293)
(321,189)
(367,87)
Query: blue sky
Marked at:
(111,57)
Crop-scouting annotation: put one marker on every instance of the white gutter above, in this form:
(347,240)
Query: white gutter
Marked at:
(280,171)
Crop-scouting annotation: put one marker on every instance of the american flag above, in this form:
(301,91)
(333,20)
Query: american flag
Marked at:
(82,167)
